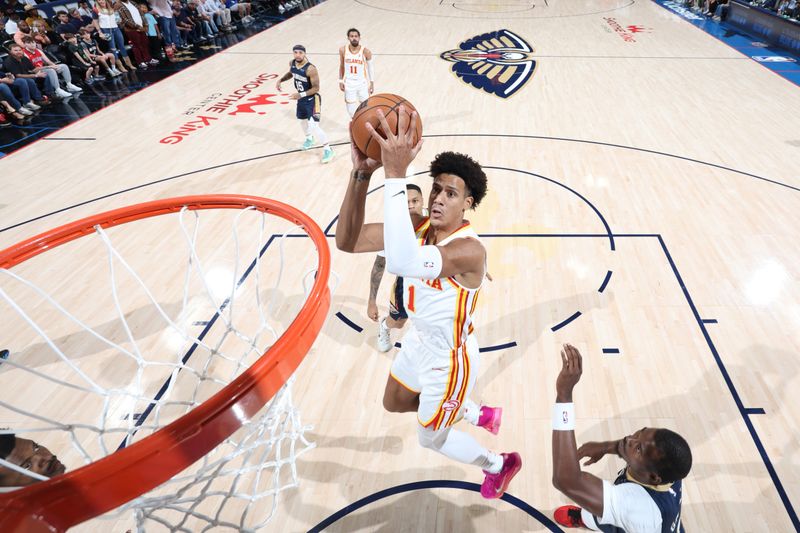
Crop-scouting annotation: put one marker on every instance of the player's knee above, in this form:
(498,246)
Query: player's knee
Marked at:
(391,403)
(429,438)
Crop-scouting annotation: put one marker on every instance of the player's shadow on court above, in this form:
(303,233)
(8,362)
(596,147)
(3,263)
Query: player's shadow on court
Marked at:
(382,515)
(527,326)
(350,306)
(143,321)
(391,444)
(396,513)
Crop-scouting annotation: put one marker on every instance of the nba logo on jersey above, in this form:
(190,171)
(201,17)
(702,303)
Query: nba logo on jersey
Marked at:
(499,62)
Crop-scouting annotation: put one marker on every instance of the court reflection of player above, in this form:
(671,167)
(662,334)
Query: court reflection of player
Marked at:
(443,265)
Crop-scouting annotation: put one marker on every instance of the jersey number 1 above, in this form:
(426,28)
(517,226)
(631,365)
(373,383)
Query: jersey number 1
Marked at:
(411,298)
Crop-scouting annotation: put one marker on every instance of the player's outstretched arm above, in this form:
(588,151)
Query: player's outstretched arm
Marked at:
(583,488)
(352,235)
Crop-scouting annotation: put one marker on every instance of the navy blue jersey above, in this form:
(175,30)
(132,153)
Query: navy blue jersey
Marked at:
(300,77)
(668,503)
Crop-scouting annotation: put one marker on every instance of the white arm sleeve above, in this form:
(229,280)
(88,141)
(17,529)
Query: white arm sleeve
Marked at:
(628,506)
(404,257)
(370,70)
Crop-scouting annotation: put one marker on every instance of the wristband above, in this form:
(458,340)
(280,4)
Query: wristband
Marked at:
(303,94)
(564,417)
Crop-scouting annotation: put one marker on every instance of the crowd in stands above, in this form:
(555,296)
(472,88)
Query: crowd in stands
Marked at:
(709,8)
(47,59)
(785,8)
(719,8)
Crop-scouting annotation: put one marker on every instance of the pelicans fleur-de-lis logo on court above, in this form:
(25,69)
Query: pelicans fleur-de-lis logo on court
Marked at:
(499,62)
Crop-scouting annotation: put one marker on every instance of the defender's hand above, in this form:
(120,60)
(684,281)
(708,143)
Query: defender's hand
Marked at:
(571,370)
(594,451)
(372,311)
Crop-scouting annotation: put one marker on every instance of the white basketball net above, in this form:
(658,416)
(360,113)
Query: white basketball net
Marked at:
(82,381)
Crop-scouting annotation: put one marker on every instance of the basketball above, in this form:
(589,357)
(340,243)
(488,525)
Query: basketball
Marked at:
(367,112)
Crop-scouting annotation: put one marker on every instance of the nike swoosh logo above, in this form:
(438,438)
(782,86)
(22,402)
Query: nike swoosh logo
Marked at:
(398,193)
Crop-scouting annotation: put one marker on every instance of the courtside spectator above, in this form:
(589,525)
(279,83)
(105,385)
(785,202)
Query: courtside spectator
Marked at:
(42,63)
(105,59)
(162,9)
(151,30)
(106,24)
(81,60)
(133,26)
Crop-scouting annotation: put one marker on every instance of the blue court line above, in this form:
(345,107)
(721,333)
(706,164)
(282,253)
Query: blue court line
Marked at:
(565,322)
(613,145)
(755,411)
(732,388)
(495,348)
(498,347)
(605,282)
(152,404)
(257,158)
(349,322)
(709,321)
(603,221)
(432,484)
(610,350)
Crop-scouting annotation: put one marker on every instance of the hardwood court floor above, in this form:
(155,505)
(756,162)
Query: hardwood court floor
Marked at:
(680,148)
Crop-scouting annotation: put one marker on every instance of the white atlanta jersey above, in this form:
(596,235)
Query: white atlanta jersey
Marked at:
(355,67)
(441,309)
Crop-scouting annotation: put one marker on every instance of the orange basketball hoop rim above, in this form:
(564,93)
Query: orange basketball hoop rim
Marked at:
(107,483)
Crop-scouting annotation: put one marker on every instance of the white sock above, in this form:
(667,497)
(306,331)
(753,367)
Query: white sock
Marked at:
(351,108)
(461,447)
(314,129)
(494,463)
(472,412)
(306,127)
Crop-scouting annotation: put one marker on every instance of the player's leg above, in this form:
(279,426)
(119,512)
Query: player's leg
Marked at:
(399,398)
(446,380)
(397,315)
(303,114)
(316,130)
(401,394)
(488,418)
(351,99)
(363,92)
